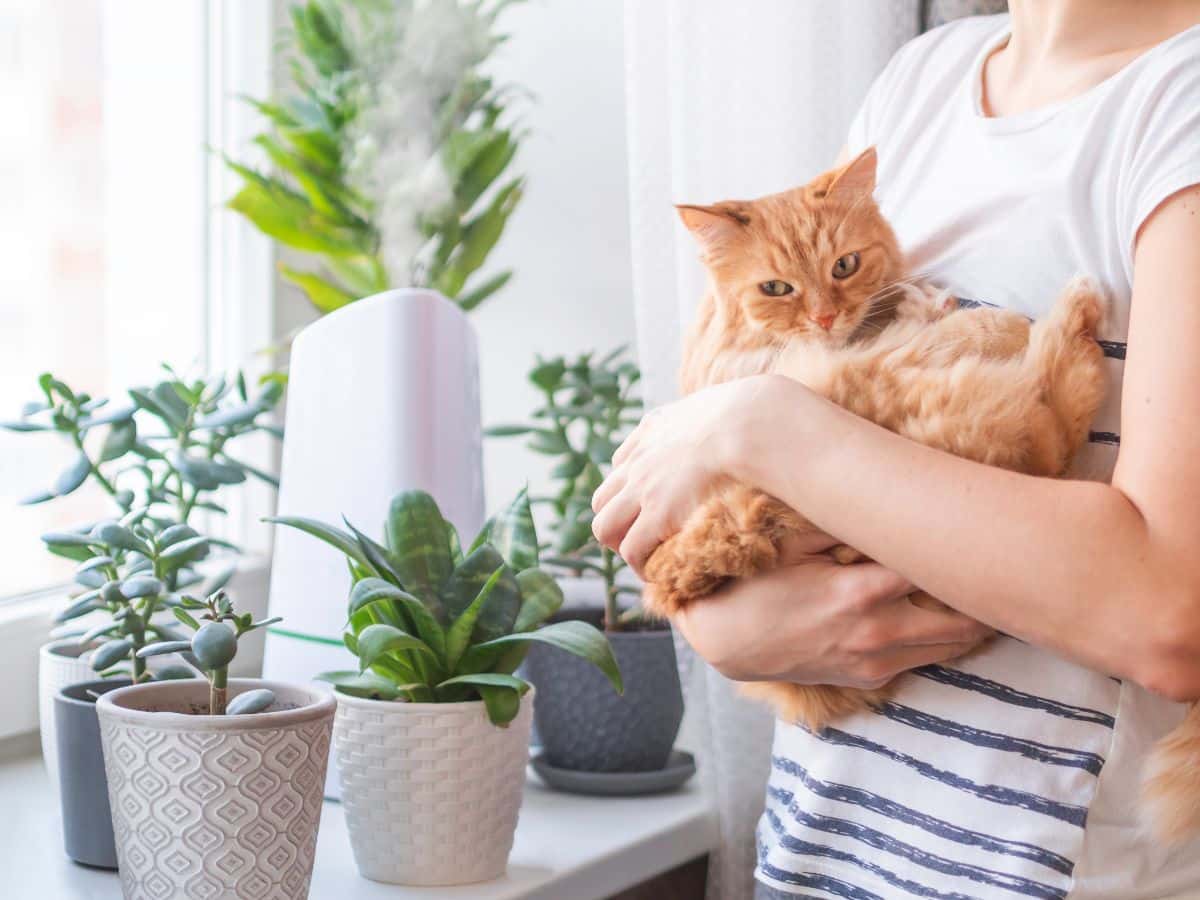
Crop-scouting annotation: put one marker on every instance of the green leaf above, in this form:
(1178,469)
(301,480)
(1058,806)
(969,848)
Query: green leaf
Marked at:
(514,535)
(73,476)
(119,537)
(323,294)
(484,168)
(162,648)
(547,375)
(507,430)
(287,216)
(472,298)
(458,635)
(541,597)
(80,606)
(119,440)
(468,579)
(361,684)
(381,559)
(142,586)
(186,618)
(502,703)
(416,534)
(186,551)
(242,414)
(376,640)
(110,653)
(374,590)
(335,537)
(578,638)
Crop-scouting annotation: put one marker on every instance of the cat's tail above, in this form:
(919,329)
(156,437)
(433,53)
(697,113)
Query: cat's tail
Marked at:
(1065,359)
(1171,783)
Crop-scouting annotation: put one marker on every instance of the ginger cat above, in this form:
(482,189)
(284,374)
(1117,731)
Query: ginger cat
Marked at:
(811,283)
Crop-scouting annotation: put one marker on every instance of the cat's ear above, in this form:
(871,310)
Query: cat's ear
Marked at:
(857,178)
(712,225)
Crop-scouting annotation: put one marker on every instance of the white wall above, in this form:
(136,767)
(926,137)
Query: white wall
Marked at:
(568,242)
(569,239)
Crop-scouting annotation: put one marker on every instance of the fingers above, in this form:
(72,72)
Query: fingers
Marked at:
(798,547)
(629,444)
(608,489)
(887,666)
(614,519)
(870,584)
(640,541)
(921,627)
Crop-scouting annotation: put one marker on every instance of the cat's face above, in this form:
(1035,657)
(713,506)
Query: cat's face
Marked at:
(809,262)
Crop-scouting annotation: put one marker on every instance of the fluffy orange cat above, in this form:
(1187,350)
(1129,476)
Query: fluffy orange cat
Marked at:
(811,283)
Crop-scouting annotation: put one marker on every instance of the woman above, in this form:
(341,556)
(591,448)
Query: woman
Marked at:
(1014,153)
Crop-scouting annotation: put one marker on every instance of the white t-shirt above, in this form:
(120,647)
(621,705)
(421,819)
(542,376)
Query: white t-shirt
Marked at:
(1014,772)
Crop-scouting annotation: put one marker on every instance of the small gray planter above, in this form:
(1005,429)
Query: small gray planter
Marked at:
(585,726)
(86,817)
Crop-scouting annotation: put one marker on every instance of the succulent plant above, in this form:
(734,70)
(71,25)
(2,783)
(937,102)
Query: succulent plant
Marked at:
(430,622)
(588,407)
(160,457)
(213,646)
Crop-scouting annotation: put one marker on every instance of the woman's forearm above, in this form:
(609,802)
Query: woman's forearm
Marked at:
(1068,565)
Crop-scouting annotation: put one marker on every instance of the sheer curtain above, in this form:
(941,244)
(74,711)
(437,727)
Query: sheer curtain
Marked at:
(732,100)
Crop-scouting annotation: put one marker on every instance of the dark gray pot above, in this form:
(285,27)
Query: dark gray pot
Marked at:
(586,726)
(86,816)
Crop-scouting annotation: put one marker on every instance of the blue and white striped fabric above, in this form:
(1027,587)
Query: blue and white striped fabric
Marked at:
(942,777)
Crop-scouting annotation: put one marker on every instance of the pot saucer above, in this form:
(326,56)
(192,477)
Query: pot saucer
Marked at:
(679,768)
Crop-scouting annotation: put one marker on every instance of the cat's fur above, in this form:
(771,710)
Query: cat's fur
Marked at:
(979,383)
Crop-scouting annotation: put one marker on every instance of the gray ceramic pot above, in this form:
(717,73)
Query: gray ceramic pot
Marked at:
(86,818)
(585,726)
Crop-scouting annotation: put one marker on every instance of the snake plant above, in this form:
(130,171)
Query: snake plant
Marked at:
(430,622)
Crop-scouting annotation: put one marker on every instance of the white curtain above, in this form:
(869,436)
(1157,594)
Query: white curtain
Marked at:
(732,99)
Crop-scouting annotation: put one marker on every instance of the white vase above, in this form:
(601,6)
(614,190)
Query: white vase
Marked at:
(215,806)
(60,664)
(383,396)
(431,790)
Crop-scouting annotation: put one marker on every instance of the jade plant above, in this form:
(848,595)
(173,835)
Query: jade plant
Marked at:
(588,406)
(213,647)
(431,623)
(388,150)
(162,457)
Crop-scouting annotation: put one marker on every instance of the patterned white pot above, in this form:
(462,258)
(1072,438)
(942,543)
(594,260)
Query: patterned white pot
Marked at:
(431,790)
(60,664)
(208,807)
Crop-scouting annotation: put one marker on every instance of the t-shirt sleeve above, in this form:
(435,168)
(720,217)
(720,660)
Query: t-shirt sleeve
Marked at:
(1166,150)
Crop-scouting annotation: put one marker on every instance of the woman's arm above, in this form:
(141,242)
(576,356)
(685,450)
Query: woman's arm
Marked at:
(1106,574)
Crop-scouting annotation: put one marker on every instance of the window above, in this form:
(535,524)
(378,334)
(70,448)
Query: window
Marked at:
(117,254)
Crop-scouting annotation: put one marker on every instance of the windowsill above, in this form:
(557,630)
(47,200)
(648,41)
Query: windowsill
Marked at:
(585,848)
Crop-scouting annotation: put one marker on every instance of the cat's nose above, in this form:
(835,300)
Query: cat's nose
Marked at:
(825,321)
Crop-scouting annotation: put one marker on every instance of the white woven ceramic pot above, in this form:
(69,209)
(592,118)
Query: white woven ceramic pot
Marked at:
(215,806)
(60,664)
(431,790)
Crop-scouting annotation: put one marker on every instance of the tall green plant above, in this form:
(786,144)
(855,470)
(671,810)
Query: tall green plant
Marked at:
(429,622)
(161,457)
(588,406)
(387,149)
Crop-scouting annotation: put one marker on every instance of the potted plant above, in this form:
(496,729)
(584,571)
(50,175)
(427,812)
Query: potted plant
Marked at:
(432,728)
(160,457)
(588,404)
(215,783)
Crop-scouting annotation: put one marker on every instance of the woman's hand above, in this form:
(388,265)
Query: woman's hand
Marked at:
(676,456)
(816,622)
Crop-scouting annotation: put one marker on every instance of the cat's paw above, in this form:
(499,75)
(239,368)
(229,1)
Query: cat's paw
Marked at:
(1084,305)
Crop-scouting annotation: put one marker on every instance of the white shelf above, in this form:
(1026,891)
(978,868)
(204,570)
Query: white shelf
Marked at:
(584,848)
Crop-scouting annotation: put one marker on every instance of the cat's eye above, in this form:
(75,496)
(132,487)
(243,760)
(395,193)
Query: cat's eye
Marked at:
(775,288)
(846,266)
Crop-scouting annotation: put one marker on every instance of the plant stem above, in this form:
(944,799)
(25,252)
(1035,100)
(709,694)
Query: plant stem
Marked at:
(139,667)
(216,691)
(611,611)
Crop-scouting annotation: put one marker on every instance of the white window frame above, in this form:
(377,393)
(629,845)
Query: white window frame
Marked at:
(239,322)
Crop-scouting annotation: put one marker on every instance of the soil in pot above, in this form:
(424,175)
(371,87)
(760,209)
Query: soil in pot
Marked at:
(86,817)
(215,806)
(584,725)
